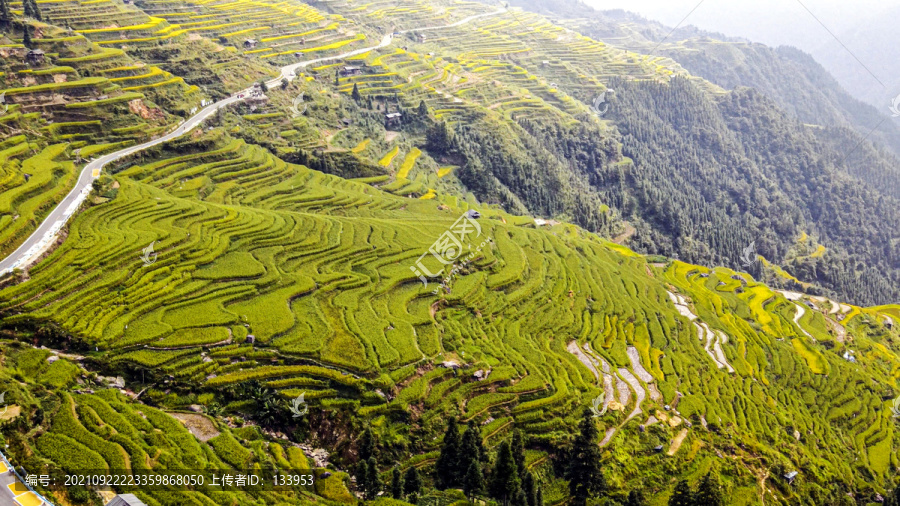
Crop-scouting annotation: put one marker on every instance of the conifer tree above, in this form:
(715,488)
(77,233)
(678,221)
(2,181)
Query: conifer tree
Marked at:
(635,498)
(5,15)
(504,477)
(366,445)
(520,498)
(518,451)
(473,484)
(529,485)
(355,93)
(372,481)
(471,448)
(892,498)
(26,9)
(396,483)
(584,473)
(26,39)
(709,492)
(423,109)
(361,475)
(447,466)
(412,482)
(438,138)
(36,10)
(366,451)
(683,495)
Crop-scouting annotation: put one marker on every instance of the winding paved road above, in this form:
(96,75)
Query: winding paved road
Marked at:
(40,239)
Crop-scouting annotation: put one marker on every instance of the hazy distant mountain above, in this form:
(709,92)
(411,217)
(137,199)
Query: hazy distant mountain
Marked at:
(874,44)
(791,77)
(852,40)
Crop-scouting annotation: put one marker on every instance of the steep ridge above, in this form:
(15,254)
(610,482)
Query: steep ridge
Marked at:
(796,135)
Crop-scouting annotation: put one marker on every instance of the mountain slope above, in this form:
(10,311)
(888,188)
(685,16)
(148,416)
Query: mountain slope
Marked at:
(318,270)
(522,324)
(516,102)
(872,43)
(808,102)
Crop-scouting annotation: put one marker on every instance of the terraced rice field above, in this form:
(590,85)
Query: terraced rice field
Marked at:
(319,269)
(107,431)
(277,31)
(58,113)
(321,272)
(493,61)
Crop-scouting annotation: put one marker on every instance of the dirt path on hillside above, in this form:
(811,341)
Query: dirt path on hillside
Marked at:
(712,343)
(588,362)
(607,437)
(635,357)
(624,236)
(609,390)
(682,306)
(706,338)
(720,353)
(654,392)
(676,443)
(639,393)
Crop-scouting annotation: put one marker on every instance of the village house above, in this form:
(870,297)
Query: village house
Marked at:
(392,119)
(35,57)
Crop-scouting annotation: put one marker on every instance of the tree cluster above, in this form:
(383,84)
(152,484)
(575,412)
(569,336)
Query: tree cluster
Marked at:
(31,9)
(708,493)
(583,471)
(5,15)
(463,463)
(711,176)
(406,485)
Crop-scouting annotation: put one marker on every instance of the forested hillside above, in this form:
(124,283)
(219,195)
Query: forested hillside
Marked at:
(796,138)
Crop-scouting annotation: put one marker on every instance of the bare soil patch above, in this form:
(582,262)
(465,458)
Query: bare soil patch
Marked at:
(200,426)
